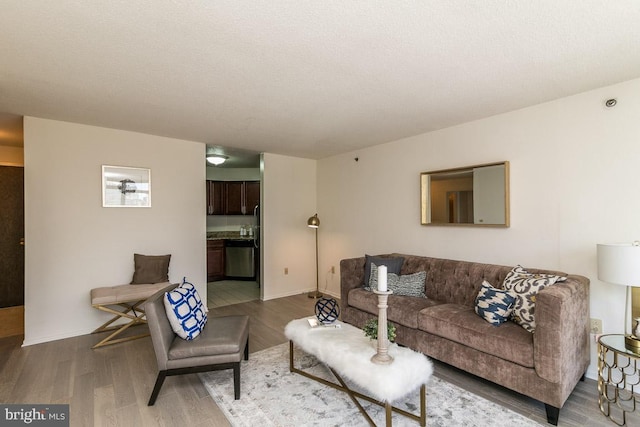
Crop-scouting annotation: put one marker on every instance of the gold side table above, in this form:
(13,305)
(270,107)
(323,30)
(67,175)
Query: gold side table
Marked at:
(618,378)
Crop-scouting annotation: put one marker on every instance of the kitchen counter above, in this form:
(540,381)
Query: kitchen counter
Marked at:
(220,235)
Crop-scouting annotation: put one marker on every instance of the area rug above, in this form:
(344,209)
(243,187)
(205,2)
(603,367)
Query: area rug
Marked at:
(273,396)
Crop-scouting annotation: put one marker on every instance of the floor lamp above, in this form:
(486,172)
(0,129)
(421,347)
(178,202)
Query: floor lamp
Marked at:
(620,264)
(314,222)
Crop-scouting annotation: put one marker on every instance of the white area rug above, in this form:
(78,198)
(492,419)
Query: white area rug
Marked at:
(273,396)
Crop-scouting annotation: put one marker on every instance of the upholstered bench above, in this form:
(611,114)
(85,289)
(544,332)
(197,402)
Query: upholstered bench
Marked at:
(123,301)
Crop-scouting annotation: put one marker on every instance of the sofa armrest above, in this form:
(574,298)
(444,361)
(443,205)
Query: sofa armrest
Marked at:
(561,339)
(351,277)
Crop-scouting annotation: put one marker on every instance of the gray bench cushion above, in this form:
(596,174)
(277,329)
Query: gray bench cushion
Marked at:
(125,293)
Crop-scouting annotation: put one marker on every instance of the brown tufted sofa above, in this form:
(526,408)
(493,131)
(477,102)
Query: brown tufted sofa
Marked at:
(545,365)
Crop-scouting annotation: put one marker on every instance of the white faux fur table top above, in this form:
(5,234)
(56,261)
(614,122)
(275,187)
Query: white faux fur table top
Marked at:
(348,352)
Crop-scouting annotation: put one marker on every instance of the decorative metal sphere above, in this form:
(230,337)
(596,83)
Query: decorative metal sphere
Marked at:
(327,310)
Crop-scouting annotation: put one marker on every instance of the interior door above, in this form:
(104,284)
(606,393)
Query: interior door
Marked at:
(12,232)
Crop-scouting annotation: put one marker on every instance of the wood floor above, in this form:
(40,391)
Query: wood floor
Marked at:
(110,386)
(229,292)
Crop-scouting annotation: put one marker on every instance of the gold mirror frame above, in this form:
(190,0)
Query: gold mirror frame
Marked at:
(454,197)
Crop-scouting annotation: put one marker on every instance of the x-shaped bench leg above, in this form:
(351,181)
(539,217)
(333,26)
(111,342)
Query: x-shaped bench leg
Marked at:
(134,319)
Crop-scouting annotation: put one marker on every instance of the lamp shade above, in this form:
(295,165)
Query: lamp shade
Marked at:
(216,159)
(619,263)
(314,221)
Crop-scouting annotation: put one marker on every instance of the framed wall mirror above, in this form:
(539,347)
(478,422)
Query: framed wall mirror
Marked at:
(470,196)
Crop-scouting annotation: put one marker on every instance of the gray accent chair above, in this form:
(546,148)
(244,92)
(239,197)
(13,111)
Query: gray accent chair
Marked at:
(221,345)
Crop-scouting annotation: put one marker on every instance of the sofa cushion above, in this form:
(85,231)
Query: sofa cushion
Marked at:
(394,264)
(494,305)
(224,335)
(461,324)
(402,310)
(525,286)
(410,285)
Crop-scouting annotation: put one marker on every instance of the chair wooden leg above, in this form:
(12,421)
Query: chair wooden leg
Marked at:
(156,389)
(246,350)
(236,381)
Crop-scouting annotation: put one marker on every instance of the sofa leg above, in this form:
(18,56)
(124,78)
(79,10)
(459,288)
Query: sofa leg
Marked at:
(156,389)
(236,381)
(553,414)
(246,350)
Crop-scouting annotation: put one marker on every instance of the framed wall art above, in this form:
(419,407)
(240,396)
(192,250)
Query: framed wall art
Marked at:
(126,187)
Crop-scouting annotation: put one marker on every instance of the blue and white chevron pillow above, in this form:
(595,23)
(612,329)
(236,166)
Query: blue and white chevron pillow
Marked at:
(185,311)
(494,305)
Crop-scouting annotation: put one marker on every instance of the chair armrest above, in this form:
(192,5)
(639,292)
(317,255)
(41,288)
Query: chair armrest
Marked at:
(351,277)
(561,340)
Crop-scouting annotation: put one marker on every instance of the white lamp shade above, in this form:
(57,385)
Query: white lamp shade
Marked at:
(216,159)
(619,263)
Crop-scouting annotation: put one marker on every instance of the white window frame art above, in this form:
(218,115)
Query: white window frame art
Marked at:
(126,187)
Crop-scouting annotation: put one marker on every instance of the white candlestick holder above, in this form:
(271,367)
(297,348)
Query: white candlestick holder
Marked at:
(382,356)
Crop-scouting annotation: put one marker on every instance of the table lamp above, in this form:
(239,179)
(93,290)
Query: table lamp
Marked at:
(619,263)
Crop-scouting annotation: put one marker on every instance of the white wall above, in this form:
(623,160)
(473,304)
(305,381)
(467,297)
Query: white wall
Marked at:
(233,174)
(73,244)
(289,199)
(575,182)
(11,156)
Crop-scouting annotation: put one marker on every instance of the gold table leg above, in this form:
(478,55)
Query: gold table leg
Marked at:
(353,394)
(618,375)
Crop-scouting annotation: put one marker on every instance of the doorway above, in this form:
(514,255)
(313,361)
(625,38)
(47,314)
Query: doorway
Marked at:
(11,250)
(229,292)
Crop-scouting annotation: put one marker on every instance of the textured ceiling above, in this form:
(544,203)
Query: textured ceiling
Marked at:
(305,78)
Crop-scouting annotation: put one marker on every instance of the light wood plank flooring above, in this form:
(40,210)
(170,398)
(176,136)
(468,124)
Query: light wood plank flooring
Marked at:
(229,292)
(111,386)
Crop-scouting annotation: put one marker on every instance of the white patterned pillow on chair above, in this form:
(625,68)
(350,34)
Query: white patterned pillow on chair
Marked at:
(185,311)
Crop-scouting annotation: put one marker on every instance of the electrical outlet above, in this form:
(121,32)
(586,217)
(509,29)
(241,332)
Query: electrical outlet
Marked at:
(596,326)
(333,269)
(286,270)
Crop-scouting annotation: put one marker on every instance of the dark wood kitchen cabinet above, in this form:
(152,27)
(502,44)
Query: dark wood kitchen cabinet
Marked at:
(252,195)
(215,197)
(234,197)
(215,260)
(241,197)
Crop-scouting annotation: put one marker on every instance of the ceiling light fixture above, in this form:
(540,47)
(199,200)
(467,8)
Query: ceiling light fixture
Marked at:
(216,159)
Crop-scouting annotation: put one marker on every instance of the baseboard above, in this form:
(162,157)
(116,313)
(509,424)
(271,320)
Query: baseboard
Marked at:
(12,321)
(297,292)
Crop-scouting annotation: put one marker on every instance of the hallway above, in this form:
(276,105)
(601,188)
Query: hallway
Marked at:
(229,292)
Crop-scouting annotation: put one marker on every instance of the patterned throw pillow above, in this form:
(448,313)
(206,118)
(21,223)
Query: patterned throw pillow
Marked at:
(494,305)
(526,286)
(185,311)
(410,285)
